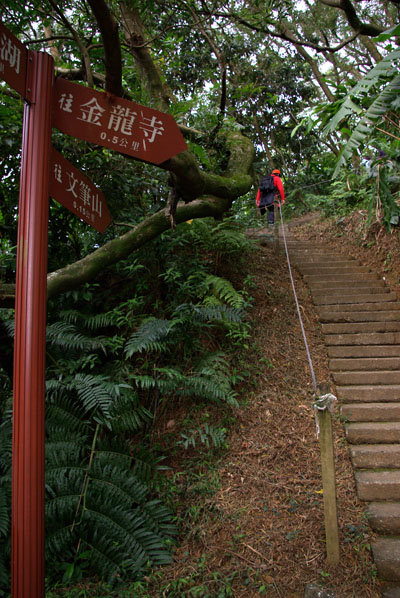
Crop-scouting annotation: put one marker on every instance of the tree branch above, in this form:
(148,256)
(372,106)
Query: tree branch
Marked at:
(215,194)
(85,270)
(352,18)
(281,35)
(218,54)
(159,91)
(79,75)
(313,64)
(80,44)
(112,49)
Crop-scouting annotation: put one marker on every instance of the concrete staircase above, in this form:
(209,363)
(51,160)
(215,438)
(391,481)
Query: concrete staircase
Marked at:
(360,320)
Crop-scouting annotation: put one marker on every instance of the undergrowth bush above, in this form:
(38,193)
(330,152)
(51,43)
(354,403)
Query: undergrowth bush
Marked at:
(113,362)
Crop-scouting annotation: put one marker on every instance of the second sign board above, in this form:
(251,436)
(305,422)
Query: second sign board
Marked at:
(113,122)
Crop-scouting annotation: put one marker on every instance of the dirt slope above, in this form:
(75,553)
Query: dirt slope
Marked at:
(259,530)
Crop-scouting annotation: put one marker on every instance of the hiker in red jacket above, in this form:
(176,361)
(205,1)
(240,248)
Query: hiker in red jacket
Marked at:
(268,190)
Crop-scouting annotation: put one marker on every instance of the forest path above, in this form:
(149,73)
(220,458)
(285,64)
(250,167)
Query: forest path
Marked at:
(252,516)
(360,322)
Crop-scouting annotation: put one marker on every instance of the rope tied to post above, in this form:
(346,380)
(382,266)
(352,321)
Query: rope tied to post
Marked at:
(323,403)
(325,400)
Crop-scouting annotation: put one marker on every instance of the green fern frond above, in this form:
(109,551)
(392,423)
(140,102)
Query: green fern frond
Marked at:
(215,363)
(212,377)
(106,557)
(9,323)
(6,443)
(133,529)
(231,242)
(126,414)
(4,572)
(114,492)
(63,412)
(366,125)
(88,321)
(4,512)
(151,335)
(206,388)
(148,467)
(223,237)
(204,433)
(61,508)
(224,291)
(66,337)
(143,465)
(59,541)
(379,72)
(94,392)
(165,379)
(208,313)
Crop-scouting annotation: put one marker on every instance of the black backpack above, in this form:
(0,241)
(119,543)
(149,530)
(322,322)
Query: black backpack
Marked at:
(267,184)
(267,191)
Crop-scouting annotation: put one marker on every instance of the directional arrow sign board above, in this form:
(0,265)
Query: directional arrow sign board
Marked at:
(13,60)
(113,122)
(76,192)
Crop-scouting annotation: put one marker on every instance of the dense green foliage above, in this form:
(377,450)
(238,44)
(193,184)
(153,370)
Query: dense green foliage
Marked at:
(110,376)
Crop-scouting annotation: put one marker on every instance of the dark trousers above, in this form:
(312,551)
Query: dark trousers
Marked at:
(270,215)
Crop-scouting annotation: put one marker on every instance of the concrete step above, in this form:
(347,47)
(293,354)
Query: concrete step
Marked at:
(335,317)
(368,394)
(355,351)
(322,270)
(308,245)
(346,284)
(360,327)
(364,364)
(361,378)
(371,412)
(307,255)
(378,485)
(384,518)
(375,456)
(386,553)
(384,306)
(339,290)
(305,260)
(311,278)
(370,338)
(354,299)
(373,433)
(360,319)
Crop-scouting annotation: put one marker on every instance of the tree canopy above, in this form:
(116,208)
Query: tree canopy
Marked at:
(236,77)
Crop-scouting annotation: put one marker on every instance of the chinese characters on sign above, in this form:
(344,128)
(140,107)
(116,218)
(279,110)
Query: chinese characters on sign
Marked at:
(74,191)
(13,60)
(118,124)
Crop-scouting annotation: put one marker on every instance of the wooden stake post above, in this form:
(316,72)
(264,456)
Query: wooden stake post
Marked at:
(328,480)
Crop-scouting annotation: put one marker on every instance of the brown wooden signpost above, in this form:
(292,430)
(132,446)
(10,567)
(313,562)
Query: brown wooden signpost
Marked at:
(99,118)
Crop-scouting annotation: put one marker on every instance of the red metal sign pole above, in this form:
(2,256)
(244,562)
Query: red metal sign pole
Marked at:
(27,534)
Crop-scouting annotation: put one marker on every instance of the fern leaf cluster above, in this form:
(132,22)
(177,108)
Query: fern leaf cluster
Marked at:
(102,481)
(203,434)
(209,380)
(95,498)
